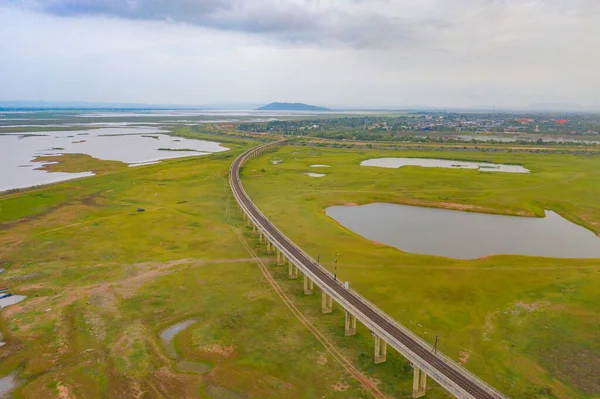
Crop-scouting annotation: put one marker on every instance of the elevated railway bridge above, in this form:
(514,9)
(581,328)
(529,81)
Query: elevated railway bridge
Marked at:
(426,361)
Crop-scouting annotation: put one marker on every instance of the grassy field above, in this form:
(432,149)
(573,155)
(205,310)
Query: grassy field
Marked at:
(528,325)
(103,281)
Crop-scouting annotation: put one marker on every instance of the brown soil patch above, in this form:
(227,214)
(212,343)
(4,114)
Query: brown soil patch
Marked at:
(64,392)
(340,386)
(463,357)
(531,307)
(322,360)
(223,351)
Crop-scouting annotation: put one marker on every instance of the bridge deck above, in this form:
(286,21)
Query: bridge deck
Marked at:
(453,377)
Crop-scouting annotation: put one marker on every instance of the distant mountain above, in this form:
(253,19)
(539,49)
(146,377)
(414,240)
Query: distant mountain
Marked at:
(291,107)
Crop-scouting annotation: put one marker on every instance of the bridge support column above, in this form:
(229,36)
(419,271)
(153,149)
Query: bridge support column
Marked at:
(284,259)
(278,256)
(419,383)
(253,228)
(308,286)
(380,350)
(326,303)
(350,324)
(268,246)
(260,237)
(292,271)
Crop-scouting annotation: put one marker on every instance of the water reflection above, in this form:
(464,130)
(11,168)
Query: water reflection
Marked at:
(467,235)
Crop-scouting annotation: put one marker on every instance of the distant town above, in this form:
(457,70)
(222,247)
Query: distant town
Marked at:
(459,126)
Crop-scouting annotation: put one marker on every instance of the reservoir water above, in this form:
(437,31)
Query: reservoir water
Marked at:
(467,235)
(131,145)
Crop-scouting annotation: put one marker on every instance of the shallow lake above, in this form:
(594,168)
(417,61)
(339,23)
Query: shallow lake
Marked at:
(132,145)
(467,235)
(443,163)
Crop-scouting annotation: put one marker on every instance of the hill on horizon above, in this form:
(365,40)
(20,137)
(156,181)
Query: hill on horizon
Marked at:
(291,107)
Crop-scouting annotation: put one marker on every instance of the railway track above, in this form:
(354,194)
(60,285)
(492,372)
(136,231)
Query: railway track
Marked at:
(449,374)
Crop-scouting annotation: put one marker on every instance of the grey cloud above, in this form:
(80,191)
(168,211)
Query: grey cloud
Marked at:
(351,22)
(356,23)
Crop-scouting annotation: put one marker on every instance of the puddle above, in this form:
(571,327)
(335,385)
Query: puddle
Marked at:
(11,300)
(316,174)
(320,166)
(184,366)
(7,385)
(276,161)
(218,392)
(167,336)
(443,163)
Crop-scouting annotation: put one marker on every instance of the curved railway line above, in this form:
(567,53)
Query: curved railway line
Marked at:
(446,372)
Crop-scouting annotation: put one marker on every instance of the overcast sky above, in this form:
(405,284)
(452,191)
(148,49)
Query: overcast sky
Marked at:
(363,53)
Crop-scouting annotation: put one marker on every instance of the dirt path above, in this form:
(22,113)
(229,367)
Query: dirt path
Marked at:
(366,383)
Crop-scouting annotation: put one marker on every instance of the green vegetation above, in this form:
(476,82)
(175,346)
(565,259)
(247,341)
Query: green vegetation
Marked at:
(527,325)
(103,280)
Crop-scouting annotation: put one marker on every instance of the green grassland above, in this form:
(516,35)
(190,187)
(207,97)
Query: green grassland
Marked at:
(103,281)
(528,325)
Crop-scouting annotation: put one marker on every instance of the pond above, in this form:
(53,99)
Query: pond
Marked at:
(131,145)
(467,235)
(443,163)
(316,174)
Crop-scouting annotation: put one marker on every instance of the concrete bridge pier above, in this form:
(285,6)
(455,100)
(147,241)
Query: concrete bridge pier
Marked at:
(380,350)
(292,271)
(268,247)
(308,286)
(419,383)
(350,324)
(260,236)
(278,256)
(253,228)
(326,303)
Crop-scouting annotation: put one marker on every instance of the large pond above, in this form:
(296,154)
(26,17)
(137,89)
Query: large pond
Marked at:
(467,235)
(443,163)
(132,145)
